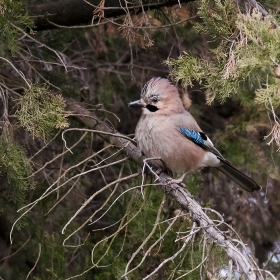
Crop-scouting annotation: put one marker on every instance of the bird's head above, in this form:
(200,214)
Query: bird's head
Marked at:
(159,97)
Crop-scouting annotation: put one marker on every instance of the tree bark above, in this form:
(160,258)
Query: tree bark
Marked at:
(76,12)
(242,260)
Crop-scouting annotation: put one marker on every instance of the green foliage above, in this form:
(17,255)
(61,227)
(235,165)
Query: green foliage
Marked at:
(240,145)
(241,150)
(193,181)
(16,167)
(41,112)
(262,48)
(218,17)
(40,242)
(269,94)
(246,54)
(187,68)
(12,12)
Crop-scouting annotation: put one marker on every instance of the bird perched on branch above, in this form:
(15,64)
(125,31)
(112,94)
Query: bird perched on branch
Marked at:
(167,131)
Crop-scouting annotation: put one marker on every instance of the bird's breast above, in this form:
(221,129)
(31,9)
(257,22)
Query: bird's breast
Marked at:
(160,137)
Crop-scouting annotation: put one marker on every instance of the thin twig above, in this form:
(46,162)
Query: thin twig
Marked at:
(194,230)
(41,44)
(18,71)
(36,262)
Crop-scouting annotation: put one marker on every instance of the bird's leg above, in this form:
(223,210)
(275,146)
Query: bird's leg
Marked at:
(179,180)
(159,170)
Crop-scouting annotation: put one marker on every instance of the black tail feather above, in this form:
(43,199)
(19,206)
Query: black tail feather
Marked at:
(238,177)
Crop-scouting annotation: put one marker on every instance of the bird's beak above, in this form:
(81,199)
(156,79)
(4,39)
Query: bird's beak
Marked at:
(137,103)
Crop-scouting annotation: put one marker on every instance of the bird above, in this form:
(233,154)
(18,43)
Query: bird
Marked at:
(169,135)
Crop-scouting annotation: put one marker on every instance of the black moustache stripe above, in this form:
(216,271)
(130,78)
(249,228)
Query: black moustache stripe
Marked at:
(151,108)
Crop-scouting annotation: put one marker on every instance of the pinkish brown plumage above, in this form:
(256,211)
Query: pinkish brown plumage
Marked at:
(159,134)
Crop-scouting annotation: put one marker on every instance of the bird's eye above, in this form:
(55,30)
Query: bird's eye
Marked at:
(155,99)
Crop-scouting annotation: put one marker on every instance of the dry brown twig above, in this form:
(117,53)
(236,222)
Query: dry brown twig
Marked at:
(275,135)
(131,31)
(275,131)
(98,12)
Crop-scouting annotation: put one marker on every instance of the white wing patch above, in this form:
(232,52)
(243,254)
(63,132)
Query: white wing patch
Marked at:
(210,159)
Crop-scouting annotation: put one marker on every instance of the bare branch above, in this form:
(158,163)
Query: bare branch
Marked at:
(73,12)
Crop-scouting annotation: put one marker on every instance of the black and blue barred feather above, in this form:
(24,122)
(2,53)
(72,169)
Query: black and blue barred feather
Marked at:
(201,139)
(192,135)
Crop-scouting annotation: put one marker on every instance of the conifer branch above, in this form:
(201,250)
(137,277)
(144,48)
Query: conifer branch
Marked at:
(241,260)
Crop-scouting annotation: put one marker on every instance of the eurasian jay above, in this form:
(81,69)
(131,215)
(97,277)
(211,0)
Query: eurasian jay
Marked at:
(167,131)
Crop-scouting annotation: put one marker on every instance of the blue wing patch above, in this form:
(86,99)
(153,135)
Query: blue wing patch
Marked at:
(192,135)
(201,140)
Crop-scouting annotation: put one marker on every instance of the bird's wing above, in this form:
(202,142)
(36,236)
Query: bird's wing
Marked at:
(202,140)
(237,176)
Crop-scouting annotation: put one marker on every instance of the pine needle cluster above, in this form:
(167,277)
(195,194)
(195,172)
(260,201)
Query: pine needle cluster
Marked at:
(16,167)
(247,53)
(222,20)
(41,112)
(9,13)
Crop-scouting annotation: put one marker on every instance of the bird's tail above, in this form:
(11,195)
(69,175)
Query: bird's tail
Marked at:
(238,177)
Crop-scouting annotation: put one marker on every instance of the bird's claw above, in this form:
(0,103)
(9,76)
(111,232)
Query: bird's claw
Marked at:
(179,180)
(176,181)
